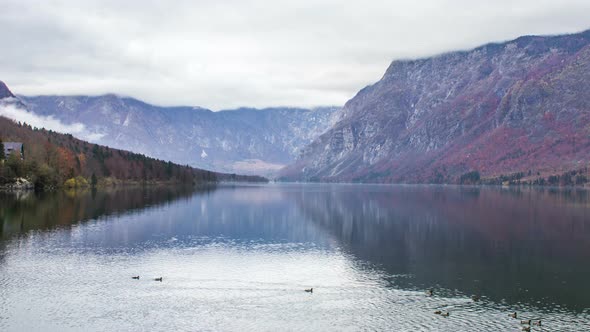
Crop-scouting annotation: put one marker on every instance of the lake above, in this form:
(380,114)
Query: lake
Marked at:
(239,257)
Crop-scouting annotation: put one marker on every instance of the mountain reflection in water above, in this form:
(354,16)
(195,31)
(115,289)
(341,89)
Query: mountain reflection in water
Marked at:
(509,244)
(248,251)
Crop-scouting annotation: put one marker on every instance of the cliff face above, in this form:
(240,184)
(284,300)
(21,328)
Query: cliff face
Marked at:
(518,106)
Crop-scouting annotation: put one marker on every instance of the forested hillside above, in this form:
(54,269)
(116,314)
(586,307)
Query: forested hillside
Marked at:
(52,159)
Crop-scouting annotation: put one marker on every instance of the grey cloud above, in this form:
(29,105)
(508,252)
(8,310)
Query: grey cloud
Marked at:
(224,54)
(15,113)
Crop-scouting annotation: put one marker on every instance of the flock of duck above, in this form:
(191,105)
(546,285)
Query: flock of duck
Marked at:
(155,279)
(309,290)
(526,323)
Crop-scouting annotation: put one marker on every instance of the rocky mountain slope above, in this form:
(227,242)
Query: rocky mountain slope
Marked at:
(4,91)
(521,106)
(244,141)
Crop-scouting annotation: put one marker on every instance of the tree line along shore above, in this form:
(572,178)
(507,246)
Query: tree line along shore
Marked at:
(49,160)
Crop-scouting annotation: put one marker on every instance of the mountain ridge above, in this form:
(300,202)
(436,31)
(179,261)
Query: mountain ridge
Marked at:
(245,140)
(431,119)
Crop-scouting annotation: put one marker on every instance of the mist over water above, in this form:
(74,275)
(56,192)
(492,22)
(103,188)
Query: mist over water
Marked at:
(237,258)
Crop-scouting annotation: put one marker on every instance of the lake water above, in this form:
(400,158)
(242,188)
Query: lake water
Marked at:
(238,258)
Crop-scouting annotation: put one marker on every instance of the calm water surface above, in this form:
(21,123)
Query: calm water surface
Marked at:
(237,258)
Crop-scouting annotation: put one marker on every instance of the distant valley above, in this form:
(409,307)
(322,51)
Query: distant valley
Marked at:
(243,141)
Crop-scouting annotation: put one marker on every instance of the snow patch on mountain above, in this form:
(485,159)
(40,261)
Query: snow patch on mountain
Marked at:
(127,118)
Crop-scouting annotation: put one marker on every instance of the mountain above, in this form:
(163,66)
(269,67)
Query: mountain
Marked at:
(4,91)
(245,141)
(515,108)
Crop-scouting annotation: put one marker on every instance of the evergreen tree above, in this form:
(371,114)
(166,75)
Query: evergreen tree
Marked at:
(93,180)
(2,156)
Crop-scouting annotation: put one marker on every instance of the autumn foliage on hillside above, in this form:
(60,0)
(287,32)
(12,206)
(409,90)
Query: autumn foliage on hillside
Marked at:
(51,158)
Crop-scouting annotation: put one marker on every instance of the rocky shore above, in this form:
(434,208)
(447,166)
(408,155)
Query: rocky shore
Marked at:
(18,184)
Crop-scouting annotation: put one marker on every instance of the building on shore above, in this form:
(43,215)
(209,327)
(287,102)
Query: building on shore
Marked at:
(11,147)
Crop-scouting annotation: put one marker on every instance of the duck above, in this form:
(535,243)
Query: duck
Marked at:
(438,312)
(526,328)
(475,298)
(537,323)
(527,322)
(158,279)
(136,277)
(430,292)
(445,314)
(513,315)
(309,290)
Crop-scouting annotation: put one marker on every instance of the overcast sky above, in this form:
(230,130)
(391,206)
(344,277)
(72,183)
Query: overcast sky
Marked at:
(224,53)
